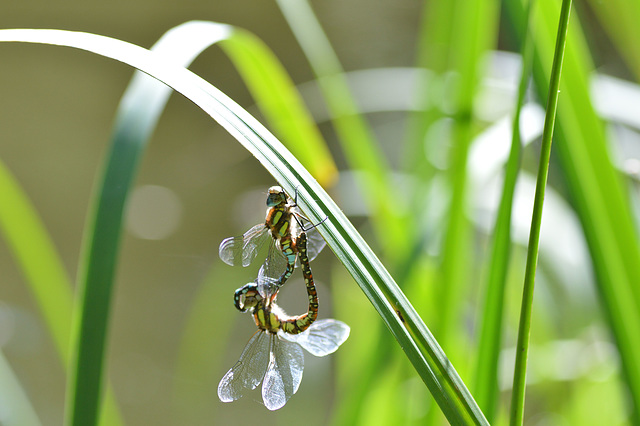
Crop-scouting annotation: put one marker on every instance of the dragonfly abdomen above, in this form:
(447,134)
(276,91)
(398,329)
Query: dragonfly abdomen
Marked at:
(298,324)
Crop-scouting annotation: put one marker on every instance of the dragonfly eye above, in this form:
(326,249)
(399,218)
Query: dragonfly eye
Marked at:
(246,297)
(276,196)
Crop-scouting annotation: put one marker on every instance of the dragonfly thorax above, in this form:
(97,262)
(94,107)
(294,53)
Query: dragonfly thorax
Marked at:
(266,319)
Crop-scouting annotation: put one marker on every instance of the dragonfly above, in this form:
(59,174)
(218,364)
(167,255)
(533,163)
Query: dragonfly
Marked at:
(280,230)
(273,356)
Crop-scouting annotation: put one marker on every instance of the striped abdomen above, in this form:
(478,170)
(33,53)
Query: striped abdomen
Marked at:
(271,318)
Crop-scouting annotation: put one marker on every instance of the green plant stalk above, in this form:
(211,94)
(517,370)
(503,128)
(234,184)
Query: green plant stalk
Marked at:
(355,136)
(599,193)
(524,327)
(486,374)
(398,314)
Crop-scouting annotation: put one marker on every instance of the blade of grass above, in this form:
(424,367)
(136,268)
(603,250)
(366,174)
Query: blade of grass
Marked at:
(599,195)
(141,107)
(38,258)
(358,142)
(412,334)
(524,327)
(280,102)
(486,374)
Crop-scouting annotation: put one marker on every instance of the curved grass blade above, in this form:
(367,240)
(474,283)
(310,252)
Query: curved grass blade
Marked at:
(412,334)
(524,327)
(140,109)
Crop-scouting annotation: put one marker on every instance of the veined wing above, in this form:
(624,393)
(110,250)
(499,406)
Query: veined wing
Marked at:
(322,338)
(284,373)
(243,249)
(270,272)
(248,371)
(315,242)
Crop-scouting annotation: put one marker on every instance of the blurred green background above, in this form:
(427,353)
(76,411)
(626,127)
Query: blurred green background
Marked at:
(173,329)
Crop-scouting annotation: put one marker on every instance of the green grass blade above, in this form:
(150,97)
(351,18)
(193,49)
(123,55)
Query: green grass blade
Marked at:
(279,101)
(38,258)
(39,261)
(398,314)
(490,340)
(358,142)
(600,198)
(141,107)
(524,327)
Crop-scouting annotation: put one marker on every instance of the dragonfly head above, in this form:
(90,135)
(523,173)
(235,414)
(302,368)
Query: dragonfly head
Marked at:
(276,196)
(246,297)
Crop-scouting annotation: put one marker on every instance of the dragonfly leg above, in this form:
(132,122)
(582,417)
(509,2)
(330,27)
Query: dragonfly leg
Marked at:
(297,217)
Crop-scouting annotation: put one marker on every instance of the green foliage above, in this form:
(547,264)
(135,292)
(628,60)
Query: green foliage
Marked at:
(432,244)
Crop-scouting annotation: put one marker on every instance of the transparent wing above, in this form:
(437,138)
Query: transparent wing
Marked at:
(315,242)
(284,373)
(248,371)
(243,249)
(270,271)
(322,337)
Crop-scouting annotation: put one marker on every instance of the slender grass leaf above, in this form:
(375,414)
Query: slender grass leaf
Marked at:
(600,197)
(38,258)
(524,327)
(490,340)
(358,141)
(412,334)
(280,102)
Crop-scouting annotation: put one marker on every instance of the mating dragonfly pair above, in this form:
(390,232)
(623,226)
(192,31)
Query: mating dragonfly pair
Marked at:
(273,355)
